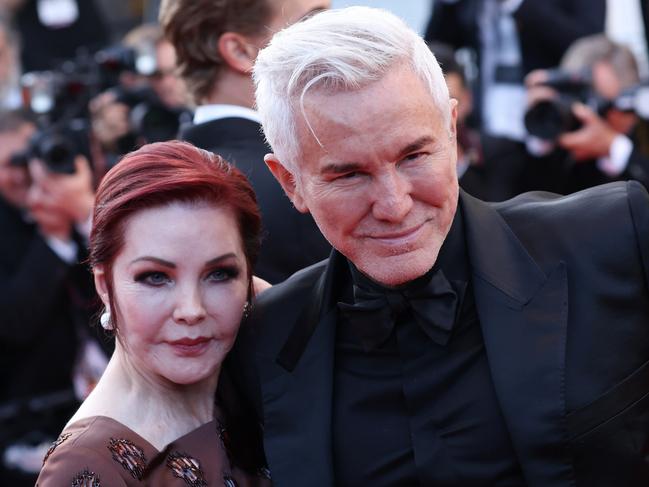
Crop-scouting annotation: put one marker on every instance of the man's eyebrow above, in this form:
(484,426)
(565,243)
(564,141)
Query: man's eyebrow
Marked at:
(417,145)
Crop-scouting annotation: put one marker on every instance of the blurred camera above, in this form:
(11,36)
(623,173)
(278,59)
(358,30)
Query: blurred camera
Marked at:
(57,147)
(60,100)
(547,119)
(65,92)
(149,118)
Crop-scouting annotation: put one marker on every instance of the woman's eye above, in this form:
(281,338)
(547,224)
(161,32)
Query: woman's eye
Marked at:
(152,278)
(223,274)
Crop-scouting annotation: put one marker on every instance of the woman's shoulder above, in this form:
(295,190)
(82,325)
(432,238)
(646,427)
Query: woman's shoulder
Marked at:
(96,451)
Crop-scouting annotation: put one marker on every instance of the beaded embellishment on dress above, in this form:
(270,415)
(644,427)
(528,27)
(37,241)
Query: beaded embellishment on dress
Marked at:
(187,468)
(129,456)
(58,441)
(222,431)
(224,436)
(86,479)
(264,473)
(229,481)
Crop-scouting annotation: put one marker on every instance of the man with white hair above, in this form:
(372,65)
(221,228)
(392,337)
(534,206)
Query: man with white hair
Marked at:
(446,341)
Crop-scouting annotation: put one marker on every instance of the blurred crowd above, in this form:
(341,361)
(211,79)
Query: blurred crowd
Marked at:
(77,91)
(547,101)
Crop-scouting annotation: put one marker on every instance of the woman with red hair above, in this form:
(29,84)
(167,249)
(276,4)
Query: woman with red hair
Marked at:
(175,235)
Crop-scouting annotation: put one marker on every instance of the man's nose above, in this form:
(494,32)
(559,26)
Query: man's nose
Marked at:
(392,199)
(189,309)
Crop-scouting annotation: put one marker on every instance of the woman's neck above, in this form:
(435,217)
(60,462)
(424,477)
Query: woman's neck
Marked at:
(156,409)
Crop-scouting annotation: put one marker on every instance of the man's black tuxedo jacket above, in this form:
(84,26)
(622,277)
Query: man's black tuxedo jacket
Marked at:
(561,291)
(292,240)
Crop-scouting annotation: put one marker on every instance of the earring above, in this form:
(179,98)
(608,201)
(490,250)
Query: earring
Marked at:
(246,309)
(104,320)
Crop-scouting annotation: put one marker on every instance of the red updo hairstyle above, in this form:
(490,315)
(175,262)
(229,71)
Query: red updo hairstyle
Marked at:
(160,174)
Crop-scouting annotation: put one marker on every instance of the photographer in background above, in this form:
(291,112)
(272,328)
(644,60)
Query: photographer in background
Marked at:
(47,356)
(511,38)
(586,116)
(149,104)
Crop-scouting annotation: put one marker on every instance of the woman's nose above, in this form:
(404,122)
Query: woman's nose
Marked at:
(189,308)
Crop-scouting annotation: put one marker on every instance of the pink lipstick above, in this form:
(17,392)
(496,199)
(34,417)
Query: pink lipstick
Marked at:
(190,347)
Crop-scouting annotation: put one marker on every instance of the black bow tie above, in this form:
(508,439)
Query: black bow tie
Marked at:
(433,305)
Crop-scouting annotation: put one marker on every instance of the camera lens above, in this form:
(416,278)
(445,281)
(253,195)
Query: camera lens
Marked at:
(548,119)
(57,153)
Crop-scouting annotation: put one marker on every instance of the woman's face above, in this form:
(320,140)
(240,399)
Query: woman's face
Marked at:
(180,283)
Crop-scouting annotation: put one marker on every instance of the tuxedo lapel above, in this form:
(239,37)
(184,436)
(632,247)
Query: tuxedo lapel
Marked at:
(523,314)
(297,388)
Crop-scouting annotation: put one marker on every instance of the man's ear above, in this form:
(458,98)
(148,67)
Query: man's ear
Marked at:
(100,284)
(453,127)
(287,181)
(237,52)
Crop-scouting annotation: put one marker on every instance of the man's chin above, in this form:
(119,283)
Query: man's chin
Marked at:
(398,269)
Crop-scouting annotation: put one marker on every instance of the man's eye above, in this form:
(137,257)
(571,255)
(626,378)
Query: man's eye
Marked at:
(414,156)
(152,278)
(349,175)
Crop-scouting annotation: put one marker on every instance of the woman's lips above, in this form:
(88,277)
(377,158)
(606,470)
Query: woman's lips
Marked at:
(190,347)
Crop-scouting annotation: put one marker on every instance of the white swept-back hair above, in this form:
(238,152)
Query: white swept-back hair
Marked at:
(334,51)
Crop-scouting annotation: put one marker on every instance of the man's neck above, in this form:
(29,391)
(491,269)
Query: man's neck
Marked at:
(232,89)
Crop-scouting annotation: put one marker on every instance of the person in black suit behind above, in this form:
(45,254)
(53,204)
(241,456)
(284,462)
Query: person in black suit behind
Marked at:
(46,304)
(446,341)
(488,167)
(216,47)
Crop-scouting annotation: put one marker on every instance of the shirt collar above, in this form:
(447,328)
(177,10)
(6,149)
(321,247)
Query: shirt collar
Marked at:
(207,113)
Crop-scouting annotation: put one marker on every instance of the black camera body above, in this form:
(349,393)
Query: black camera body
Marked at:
(149,118)
(60,100)
(547,119)
(57,147)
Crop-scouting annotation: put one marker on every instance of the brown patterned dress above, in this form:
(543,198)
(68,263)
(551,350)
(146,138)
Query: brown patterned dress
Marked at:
(102,452)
